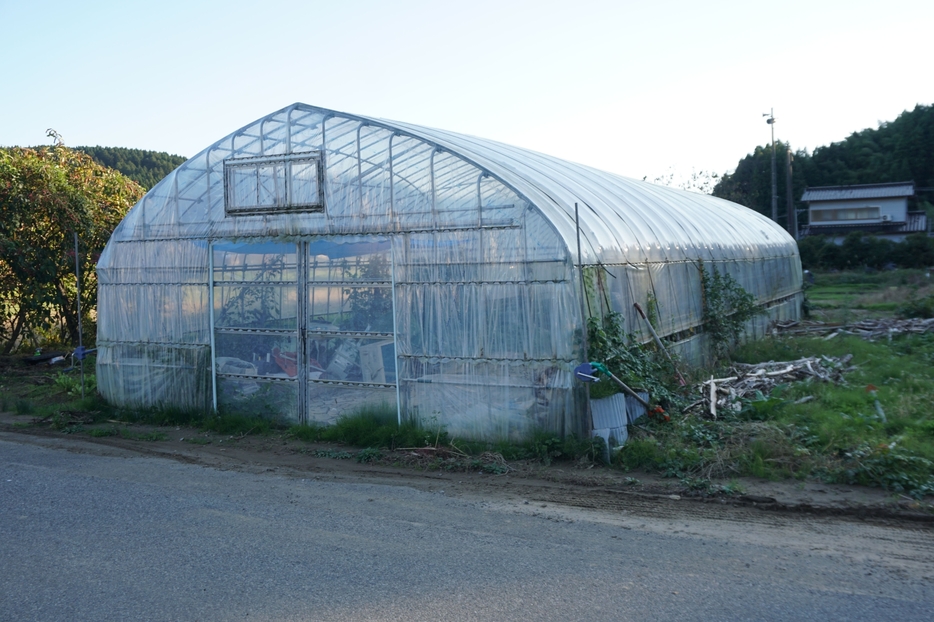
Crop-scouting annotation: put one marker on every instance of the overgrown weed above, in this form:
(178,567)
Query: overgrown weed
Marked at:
(838,435)
(371,427)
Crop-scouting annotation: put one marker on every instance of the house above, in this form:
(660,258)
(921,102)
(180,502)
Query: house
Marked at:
(315,264)
(874,209)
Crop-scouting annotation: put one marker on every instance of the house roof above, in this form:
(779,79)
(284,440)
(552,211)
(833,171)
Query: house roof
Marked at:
(863,191)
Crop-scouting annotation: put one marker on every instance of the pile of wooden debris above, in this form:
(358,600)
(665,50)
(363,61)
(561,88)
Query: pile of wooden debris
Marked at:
(751,381)
(867,329)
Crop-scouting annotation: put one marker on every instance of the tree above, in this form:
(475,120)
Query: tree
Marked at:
(751,183)
(46,194)
(899,150)
(144,167)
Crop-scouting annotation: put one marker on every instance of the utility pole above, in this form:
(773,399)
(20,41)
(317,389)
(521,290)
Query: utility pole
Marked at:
(789,199)
(771,121)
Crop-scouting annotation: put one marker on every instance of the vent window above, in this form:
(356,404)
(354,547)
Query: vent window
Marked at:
(290,183)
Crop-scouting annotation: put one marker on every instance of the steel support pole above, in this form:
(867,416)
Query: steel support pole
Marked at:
(80,328)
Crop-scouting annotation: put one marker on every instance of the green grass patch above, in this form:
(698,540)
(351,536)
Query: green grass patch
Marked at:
(838,435)
(849,296)
(221,423)
(103,432)
(237,425)
(377,428)
(372,427)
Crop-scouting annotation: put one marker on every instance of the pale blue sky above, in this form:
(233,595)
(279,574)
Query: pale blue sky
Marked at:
(636,88)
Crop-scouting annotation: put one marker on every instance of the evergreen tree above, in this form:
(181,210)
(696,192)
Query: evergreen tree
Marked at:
(144,167)
(900,150)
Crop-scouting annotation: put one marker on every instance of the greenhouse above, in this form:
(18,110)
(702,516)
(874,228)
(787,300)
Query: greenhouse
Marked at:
(314,264)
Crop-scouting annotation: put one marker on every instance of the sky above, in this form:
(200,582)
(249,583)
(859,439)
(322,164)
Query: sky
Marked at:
(642,89)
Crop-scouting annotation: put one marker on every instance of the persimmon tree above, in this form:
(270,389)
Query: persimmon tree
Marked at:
(47,194)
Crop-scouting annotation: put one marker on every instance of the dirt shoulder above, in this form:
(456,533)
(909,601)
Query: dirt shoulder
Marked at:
(571,486)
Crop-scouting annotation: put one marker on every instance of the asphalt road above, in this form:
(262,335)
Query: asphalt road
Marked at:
(98,537)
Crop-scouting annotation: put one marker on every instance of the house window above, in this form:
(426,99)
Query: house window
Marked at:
(852,213)
(289,183)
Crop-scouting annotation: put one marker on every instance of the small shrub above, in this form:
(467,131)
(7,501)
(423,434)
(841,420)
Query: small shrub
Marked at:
(888,468)
(370,454)
(547,448)
(71,383)
(327,453)
(305,432)
(726,309)
(103,432)
(730,488)
(379,427)
(636,364)
(697,484)
(640,453)
(24,407)
(915,307)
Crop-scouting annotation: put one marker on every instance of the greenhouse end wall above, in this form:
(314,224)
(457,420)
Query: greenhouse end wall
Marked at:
(314,265)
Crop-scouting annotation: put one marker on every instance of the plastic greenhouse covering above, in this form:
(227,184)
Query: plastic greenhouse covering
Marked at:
(314,263)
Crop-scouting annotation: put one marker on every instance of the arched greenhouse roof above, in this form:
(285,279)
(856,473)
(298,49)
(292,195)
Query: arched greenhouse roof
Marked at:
(622,220)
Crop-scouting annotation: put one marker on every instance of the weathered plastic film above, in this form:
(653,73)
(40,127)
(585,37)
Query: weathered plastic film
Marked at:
(316,264)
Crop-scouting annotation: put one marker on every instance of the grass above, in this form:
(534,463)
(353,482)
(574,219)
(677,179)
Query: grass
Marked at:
(837,436)
(850,296)
(374,429)
(371,427)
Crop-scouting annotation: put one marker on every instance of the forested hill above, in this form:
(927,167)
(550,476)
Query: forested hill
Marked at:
(899,150)
(144,167)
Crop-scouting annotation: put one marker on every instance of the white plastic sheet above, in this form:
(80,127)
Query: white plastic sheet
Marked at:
(420,271)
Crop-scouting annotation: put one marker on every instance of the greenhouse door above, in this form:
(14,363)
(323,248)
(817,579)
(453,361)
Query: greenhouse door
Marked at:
(304,332)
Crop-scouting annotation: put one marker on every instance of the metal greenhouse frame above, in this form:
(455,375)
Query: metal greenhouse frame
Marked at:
(316,263)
